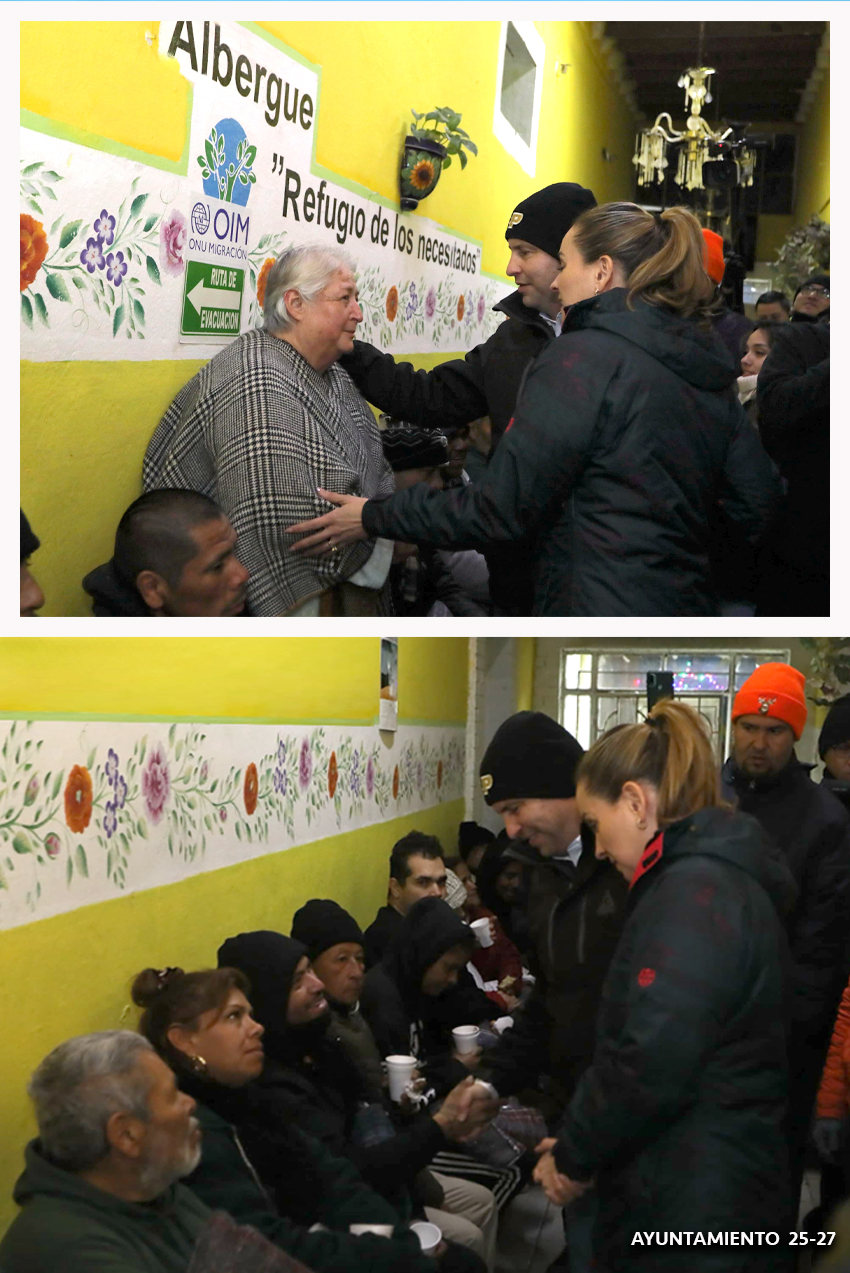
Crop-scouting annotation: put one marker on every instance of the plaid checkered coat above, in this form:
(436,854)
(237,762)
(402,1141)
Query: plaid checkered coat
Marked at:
(258,429)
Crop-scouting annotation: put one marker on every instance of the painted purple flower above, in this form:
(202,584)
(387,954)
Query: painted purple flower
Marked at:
(430,302)
(305,765)
(205,769)
(172,242)
(222,815)
(156,783)
(481,307)
(92,255)
(354,776)
(120,792)
(53,845)
(111,767)
(116,268)
(280,781)
(32,790)
(110,821)
(370,776)
(420,775)
(104,226)
(281,752)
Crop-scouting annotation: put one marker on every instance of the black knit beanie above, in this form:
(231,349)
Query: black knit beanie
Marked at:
(321,924)
(819,280)
(545,216)
(29,541)
(406,447)
(530,757)
(836,727)
(472,836)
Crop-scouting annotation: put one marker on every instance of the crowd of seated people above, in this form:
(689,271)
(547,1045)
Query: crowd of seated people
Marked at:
(248,1124)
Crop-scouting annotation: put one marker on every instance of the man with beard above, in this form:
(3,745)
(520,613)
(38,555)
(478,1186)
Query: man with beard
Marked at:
(311,1076)
(812,831)
(99,1192)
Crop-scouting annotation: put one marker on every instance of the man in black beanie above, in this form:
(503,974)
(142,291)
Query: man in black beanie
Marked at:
(487,381)
(32,598)
(834,750)
(576,906)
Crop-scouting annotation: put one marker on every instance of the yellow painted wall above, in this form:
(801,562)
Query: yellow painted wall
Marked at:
(84,424)
(813,160)
(70,974)
(526,649)
(772,232)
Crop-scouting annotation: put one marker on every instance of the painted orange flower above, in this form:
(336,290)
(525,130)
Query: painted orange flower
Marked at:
(78,799)
(333,775)
(262,280)
(33,248)
(395,783)
(392,303)
(422,174)
(439,773)
(461,306)
(252,785)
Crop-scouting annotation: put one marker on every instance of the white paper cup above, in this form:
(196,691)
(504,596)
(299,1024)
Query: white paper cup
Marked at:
(430,1236)
(382,1230)
(399,1071)
(466,1038)
(481,928)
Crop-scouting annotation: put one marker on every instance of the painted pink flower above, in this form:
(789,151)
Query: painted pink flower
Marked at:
(32,790)
(53,845)
(305,765)
(430,302)
(156,784)
(222,815)
(172,242)
(481,307)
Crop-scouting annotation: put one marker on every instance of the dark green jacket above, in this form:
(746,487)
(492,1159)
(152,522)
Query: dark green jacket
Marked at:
(283,1190)
(69,1226)
(679,1117)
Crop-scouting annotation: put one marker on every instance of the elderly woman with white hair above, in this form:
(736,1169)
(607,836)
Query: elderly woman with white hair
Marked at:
(272,418)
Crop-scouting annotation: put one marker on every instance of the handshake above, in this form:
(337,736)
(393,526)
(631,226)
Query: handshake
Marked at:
(467,1109)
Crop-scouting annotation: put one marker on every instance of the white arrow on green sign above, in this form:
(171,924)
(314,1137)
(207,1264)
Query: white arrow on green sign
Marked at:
(212,300)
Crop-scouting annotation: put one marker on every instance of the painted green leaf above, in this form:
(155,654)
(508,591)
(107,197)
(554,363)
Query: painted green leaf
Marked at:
(69,869)
(22,843)
(57,287)
(117,320)
(31,203)
(41,308)
(250,155)
(210,153)
(50,193)
(151,222)
(91,759)
(139,202)
(78,282)
(81,862)
(252,177)
(31,168)
(26,310)
(50,175)
(153,269)
(139,312)
(68,233)
(57,783)
(243,180)
(56,225)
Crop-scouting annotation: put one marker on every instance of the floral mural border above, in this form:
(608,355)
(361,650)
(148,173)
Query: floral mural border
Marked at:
(94,809)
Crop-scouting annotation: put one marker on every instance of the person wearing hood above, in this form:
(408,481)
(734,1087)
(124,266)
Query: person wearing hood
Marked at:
(678,1121)
(626,435)
(256,1164)
(812,831)
(502,888)
(487,381)
(32,598)
(472,840)
(793,409)
(463,1211)
(834,750)
(811,300)
(175,554)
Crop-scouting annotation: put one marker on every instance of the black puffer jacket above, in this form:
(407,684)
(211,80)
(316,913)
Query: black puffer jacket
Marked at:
(627,434)
(575,918)
(812,830)
(486,382)
(679,1116)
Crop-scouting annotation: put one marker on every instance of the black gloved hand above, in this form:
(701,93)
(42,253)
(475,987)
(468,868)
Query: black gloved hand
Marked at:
(459,1259)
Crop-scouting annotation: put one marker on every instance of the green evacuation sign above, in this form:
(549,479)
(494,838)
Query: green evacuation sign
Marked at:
(212,299)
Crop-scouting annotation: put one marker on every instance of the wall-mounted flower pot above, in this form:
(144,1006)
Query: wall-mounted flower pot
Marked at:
(421,165)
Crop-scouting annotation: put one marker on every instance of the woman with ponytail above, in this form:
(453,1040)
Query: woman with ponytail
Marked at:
(678,1122)
(628,438)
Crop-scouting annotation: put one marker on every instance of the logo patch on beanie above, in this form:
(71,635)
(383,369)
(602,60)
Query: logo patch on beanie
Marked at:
(516,217)
(646,976)
(765,704)
(486,782)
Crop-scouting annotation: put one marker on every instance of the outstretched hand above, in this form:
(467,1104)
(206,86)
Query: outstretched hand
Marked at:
(343,525)
(558,1188)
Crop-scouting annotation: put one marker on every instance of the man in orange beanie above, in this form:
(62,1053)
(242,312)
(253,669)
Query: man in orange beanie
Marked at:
(812,831)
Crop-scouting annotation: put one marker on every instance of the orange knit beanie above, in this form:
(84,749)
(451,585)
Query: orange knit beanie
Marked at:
(714,263)
(777,690)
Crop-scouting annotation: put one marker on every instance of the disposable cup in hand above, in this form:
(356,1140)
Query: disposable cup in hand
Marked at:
(381,1230)
(399,1071)
(430,1236)
(481,928)
(466,1038)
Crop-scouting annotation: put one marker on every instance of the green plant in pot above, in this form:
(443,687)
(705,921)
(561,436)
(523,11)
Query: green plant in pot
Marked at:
(428,150)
